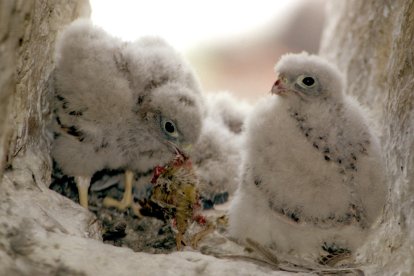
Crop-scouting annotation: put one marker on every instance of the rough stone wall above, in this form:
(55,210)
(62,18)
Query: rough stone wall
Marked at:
(372,42)
(28,31)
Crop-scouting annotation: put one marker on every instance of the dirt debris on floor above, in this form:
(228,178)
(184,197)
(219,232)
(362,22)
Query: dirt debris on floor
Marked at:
(123,229)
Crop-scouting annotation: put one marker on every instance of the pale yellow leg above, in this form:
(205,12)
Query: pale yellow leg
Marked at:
(126,198)
(83,183)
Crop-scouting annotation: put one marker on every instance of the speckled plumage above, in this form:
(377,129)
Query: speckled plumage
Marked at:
(114,99)
(312,176)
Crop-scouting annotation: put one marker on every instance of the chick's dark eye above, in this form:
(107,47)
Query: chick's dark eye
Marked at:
(169,127)
(308,81)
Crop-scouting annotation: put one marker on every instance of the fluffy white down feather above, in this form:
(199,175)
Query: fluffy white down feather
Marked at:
(217,154)
(312,174)
(113,100)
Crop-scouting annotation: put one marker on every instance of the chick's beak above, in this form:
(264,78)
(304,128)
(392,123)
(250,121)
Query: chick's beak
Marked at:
(180,151)
(278,87)
(183,151)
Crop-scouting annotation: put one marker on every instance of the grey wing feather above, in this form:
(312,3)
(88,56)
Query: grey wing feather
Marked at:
(90,89)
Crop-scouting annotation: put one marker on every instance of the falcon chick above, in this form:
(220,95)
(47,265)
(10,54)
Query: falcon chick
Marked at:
(217,154)
(227,109)
(312,177)
(120,105)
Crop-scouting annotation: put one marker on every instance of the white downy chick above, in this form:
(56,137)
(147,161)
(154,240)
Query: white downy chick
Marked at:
(225,108)
(217,154)
(120,105)
(312,176)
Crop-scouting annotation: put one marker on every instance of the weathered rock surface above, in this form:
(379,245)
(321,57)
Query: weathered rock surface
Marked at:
(372,42)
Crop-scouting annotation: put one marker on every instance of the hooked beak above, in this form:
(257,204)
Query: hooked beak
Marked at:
(278,88)
(183,151)
(180,153)
(179,159)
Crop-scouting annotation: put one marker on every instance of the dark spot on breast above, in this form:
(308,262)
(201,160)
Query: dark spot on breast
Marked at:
(71,130)
(75,132)
(151,85)
(352,166)
(326,150)
(327,158)
(273,207)
(331,216)
(104,145)
(60,98)
(58,121)
(294,217)
(75,113)
(307,131)
(362,148)
(339,161)
(353,156)
(156,83)
(315,146)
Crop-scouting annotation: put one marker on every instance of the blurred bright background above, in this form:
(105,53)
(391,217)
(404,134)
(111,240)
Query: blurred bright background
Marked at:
(232,45)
